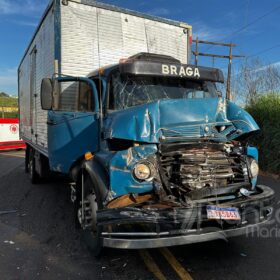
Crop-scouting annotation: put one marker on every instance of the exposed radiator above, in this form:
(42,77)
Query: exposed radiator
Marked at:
(191,167)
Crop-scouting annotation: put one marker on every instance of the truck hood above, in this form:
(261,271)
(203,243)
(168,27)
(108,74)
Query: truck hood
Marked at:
(180,120)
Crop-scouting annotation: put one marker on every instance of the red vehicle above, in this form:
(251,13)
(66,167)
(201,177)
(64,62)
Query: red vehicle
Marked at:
(9,135)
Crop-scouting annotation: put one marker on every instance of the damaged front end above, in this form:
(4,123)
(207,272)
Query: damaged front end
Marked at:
(178,168)
(165,194)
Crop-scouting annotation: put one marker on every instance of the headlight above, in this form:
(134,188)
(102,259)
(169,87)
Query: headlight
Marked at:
(142,171)
(254,167)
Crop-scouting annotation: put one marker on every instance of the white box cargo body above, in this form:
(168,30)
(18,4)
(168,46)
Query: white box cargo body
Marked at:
(76,37)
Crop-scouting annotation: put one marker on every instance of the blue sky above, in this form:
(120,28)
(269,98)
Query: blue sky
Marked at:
(211,20)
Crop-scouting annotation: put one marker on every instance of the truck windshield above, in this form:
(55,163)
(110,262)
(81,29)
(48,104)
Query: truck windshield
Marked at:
(128,91)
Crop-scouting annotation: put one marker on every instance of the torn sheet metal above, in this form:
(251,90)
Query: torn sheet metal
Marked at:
(128,200)
(122,163)
(180,119)
(242,120)
(259,204)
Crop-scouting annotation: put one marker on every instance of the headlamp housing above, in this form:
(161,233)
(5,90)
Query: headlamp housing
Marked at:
(254,168)
(142,171)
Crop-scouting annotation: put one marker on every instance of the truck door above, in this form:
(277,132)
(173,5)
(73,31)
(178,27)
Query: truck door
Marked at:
(73,123)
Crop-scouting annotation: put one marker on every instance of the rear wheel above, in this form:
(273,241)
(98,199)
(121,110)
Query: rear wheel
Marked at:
(33,175)
(87,217)
(26,161)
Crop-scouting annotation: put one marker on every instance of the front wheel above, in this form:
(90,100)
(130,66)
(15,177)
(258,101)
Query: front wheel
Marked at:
(87,217)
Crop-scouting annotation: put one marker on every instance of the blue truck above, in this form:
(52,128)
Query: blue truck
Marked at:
(154,154)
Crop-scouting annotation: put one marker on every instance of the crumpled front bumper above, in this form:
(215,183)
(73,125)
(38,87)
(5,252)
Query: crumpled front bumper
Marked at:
(152,228)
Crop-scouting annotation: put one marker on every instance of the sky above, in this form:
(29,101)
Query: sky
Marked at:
(251,24)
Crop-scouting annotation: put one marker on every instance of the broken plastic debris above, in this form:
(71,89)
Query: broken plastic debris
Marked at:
(117,259)
(7,212)
(9,242)
(243,255)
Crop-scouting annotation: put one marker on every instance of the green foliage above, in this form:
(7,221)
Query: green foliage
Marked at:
(8,101)
(9,115)
(3,94)
(266,112)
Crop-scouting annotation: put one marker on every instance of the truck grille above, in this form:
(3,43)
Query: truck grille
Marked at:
(196,167)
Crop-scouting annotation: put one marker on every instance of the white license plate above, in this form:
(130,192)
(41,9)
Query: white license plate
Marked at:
(222,213)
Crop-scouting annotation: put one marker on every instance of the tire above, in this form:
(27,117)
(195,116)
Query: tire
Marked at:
(92,236)
(33,175)
(27,159)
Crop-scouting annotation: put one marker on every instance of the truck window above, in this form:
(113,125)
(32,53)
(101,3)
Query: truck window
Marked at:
(85,102)
(75,97)
(128,91)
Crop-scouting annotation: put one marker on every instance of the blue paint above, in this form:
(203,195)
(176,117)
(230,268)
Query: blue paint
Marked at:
(122,180)
(72,134)
(254,182)
(75,133)
(241,119)
(180,119)
(70,137)
(253,152)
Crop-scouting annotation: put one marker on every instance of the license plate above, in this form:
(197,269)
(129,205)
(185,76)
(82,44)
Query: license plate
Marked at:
(222,213)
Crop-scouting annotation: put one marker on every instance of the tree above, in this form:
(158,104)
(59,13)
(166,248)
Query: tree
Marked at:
(255,78)
(3,94)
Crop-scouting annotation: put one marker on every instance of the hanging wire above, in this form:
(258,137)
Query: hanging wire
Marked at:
(248,24)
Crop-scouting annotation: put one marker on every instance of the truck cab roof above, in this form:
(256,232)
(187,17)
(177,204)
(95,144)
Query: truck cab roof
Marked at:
(150,64)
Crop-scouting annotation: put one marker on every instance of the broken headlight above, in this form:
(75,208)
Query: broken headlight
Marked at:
(142,171)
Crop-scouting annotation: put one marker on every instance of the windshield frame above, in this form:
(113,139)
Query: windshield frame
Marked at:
(109,88)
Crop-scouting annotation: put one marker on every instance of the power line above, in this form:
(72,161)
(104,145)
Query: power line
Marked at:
(252,22)
(265,50)
(247,12)
(249,24)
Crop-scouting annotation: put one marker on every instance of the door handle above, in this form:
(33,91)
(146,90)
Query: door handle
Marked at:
(51,122)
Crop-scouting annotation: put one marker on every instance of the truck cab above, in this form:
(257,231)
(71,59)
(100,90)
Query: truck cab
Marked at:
(156,156)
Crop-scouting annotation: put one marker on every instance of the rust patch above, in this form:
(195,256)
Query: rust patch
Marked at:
(127,200)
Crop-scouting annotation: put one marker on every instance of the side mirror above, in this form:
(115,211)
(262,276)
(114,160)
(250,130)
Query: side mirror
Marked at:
(46,94)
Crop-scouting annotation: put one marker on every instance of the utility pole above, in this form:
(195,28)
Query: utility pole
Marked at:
(228,93)
(229,57)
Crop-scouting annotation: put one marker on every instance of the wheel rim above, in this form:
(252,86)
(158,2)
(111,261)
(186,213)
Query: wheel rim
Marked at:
(90,214)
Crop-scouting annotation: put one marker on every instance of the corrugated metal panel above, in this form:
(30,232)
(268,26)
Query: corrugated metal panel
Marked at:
(94,37)
(79,46)
(24,98)
(44,64)
(111,46)
(134,35)
(91,37)
(127,11)
(167,39)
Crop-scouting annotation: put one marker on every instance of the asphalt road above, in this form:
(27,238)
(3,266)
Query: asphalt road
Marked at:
(39,241)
